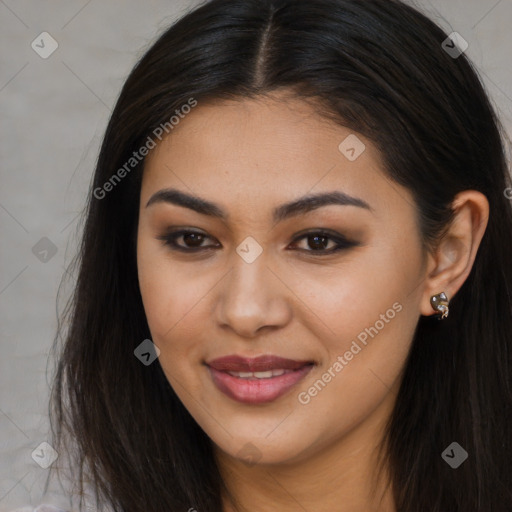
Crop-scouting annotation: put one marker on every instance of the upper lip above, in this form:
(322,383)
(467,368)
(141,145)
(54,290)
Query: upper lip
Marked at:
(235,363)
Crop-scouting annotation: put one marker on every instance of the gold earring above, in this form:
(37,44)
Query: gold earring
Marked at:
(440,304)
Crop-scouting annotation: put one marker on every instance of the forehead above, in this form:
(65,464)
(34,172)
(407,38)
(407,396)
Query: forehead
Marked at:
(266,150)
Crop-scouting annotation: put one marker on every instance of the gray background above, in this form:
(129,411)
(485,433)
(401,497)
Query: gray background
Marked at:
(54,112)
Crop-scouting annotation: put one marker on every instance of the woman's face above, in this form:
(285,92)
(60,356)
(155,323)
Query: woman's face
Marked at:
(260,276)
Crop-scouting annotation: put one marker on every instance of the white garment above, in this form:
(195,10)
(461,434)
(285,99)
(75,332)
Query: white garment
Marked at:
(40,508)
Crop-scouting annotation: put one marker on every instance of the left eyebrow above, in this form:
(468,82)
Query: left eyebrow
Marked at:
(302,205)
(306,204)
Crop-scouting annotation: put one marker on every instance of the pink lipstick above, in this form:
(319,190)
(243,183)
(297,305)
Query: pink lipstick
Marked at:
(257,380)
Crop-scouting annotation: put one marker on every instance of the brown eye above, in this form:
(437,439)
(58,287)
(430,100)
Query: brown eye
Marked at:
(192,240)
(318,242)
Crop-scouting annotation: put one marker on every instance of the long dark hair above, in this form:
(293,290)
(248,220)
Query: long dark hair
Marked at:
(379,68)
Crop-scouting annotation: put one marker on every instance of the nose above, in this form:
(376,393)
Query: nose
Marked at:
(252,298)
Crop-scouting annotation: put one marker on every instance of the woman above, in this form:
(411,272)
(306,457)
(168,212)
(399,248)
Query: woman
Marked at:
(294,287)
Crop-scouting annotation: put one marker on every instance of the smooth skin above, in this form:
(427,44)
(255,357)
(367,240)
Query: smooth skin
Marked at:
(249,157)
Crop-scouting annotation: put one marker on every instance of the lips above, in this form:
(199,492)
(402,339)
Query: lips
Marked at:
(258,380)
(263,363)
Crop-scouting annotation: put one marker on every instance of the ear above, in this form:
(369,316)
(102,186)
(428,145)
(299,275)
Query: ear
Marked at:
(451,263)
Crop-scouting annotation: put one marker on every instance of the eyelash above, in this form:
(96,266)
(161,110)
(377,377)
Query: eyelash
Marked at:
(169,240)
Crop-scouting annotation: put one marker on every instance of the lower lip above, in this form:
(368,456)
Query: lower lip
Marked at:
(257,391)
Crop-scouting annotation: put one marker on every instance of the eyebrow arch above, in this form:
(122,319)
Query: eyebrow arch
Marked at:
(299,206)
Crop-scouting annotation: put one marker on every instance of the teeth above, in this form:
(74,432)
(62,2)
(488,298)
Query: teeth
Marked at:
(259,375)
(264,375)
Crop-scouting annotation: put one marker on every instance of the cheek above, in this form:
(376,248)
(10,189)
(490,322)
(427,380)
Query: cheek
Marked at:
(368,313)
(361,362)
(365,294)
(174,304)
